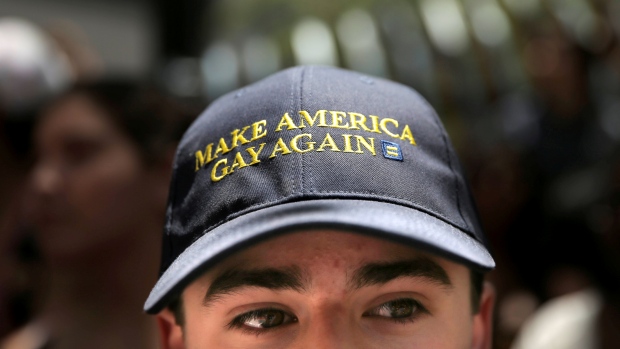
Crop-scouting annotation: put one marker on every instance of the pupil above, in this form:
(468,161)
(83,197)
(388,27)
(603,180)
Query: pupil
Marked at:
(402,308)
(271,319)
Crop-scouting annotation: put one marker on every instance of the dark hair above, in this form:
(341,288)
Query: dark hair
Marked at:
(147,116)
(176,307)
(476,284)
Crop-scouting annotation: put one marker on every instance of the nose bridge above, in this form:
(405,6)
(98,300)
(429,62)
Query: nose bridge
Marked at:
(329,328)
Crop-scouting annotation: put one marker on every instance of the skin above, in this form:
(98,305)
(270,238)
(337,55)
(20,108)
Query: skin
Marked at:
(425,303)
(92,190)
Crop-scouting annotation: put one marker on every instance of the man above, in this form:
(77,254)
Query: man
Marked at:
(321,208)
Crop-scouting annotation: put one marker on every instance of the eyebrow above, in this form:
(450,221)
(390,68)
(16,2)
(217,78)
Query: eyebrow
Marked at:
(382,273)
(291,278)
(294,278)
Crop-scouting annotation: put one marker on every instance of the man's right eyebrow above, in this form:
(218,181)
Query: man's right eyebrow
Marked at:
(270,278)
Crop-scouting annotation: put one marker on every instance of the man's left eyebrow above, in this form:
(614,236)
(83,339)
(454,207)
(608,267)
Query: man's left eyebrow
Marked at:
(268,278)
(382,273)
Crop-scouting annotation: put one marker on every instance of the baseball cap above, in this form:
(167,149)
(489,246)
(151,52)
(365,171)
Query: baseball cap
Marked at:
(314,147)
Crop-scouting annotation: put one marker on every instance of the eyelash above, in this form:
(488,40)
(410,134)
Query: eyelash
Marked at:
(418,309)
(238,322)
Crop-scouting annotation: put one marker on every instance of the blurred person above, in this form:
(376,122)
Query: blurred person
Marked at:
(566,124)
(99,182)
(555,135)
(32,68)
(14,280)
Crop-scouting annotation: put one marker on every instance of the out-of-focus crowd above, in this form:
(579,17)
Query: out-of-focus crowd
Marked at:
(85,162)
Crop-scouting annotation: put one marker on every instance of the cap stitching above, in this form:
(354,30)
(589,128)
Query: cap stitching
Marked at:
(291,107)
(310,174)
(301,156)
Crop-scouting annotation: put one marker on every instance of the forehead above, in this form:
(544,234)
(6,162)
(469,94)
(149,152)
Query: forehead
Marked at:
(327,251)
(73,114)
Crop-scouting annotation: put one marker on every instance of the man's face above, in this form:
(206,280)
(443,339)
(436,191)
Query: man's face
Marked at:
(328,289)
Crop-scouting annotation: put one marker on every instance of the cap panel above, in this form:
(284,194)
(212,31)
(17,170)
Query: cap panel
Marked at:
(420,177)
(213,180)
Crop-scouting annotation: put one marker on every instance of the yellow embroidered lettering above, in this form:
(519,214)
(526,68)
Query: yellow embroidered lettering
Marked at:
(384,128)
(238,137)
(286,121)
(406,134)
(358,120)
(214,176)
(255,154)
(280,147)
(337,119)
(204,158)
(237,163)
(375,124)
(362,141)
(258,130)
(328,142)
(347,143)
(309,145)
(303,115)
(222,148)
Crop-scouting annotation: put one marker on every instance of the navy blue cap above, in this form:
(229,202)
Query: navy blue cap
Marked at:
(314,147)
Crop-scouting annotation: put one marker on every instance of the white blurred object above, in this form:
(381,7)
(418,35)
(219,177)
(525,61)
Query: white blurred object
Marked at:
(31,66)
(313,43)
(566,322)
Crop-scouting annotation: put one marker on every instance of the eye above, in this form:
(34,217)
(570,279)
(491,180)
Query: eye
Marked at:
(402,308)
(262,319)
(80,151)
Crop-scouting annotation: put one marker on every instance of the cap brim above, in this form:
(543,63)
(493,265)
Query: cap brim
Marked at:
(391,221)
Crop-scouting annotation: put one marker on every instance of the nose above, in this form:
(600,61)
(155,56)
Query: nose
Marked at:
(329,330)
(46,178)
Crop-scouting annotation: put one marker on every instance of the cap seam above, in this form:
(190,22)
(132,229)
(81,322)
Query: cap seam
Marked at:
(301,156)
(291,107)
(311,182)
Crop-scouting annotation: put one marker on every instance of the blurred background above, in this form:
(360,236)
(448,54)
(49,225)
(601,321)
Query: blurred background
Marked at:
(529,91)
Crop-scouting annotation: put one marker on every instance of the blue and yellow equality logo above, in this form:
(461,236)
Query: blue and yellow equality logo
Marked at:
(303,142)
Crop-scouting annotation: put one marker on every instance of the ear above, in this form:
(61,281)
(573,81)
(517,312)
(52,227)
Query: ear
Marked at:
(483,321)
(170,333)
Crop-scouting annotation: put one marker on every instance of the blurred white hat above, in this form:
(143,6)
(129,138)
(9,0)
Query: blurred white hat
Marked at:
(31,66)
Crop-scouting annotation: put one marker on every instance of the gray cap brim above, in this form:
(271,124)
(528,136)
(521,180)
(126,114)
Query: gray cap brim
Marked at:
(380,219)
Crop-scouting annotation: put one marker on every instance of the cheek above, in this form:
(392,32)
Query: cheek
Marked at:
(454,325)
(106,196)
(106,189)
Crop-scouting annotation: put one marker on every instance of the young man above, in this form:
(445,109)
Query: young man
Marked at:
(321,208)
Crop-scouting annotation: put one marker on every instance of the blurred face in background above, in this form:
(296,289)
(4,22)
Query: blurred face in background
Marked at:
(91,185)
